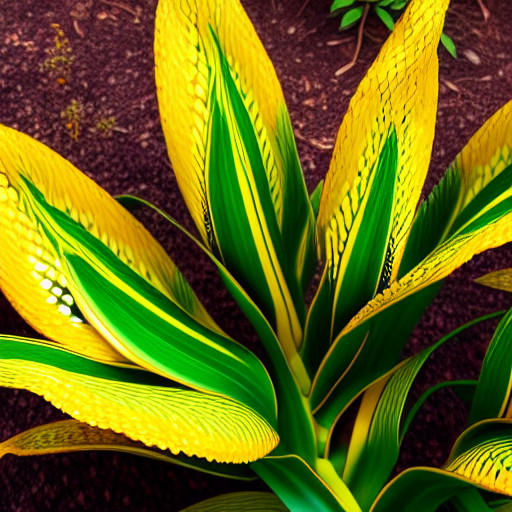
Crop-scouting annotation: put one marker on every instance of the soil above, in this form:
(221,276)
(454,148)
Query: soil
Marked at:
(108,77)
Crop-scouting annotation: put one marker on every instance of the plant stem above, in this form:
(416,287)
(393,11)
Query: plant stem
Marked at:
(327,473)
(352,63)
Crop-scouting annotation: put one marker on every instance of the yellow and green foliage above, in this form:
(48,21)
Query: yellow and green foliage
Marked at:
(141,366)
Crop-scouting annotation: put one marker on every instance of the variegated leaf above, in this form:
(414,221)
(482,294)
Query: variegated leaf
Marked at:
(137,403)
(145,325)
(476,200)
(483,455)
(30,270)
(378,167)
(73,436)
(231,146)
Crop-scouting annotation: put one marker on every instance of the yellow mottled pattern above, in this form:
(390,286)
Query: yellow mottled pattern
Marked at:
(31,279)
(69,190)
(399,92)
(489,465)
(487,154)
(70,436)
(501,279)
(185,73)
(179,420)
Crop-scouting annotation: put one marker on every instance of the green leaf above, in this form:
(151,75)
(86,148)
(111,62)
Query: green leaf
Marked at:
(384,3)
(448,43)
(240,502)
(358,358)
(136,403)
(386,18)
(470,501)
(351,17)
(315,197)
(300,487)
(147,327)
(293,414)
(232,148)
(378,431)
(492,396)
(339,4)
(399,5)
(73,436)
(465,389)
(420,490)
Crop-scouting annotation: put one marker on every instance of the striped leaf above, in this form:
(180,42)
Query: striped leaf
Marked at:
(145,325)
(469,212)
(483,455)
(74,436)
(476,177)
(306,488)
(294,412)
(30,271)
(379,426)
(231,146)
(492,396)
(420,490)
(378,167)
(500,279)
(375,442)
(240,502)
(136,403)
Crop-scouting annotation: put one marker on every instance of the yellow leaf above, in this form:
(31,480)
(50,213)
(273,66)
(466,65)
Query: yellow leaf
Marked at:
(398,93)
(180,420)
(30,271)
(501,279)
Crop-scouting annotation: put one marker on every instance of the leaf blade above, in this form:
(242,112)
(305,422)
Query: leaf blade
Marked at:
(231,78)
(136,403)
(70,436)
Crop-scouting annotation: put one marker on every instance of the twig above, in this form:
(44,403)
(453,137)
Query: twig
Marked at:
(274,6)
(324,146)
(121,5)
(485,12)
(302,9)
(352,63)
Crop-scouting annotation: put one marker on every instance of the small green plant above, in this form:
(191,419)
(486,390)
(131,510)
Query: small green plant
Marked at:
(136,357)
(72,116)
(356,11)
(106,126)
(60,57)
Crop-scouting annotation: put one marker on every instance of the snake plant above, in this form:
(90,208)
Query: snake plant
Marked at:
(139,364)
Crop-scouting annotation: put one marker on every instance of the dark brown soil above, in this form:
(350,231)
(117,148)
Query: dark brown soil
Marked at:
(111,75)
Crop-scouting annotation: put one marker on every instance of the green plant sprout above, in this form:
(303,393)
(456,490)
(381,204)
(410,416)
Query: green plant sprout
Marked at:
(60,56)
(72,116)
(134,354)
(357,11)
(106,125)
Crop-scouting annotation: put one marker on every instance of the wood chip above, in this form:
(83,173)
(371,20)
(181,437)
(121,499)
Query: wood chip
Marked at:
(472,57)
(450,85)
